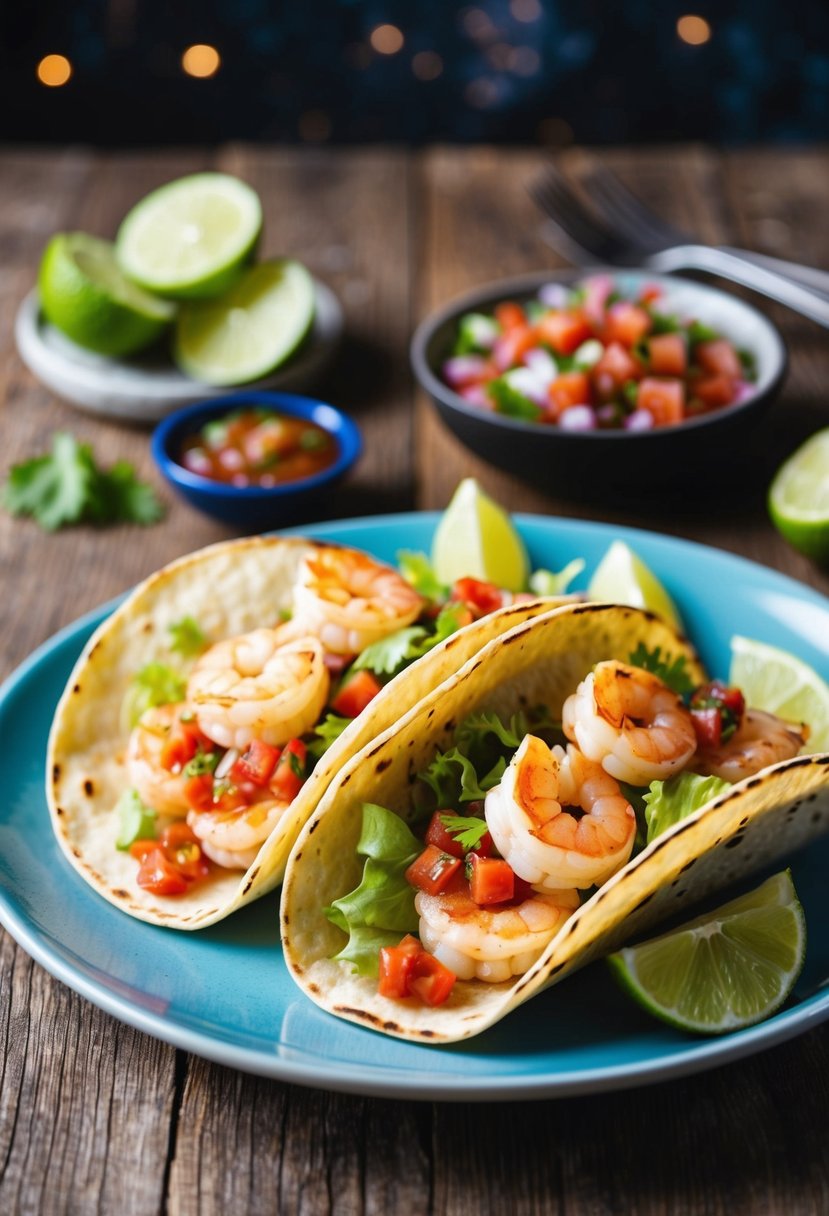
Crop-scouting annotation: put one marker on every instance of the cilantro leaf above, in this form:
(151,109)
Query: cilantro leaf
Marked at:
(468,831)
(698,331)
(391,654)
(508,400)
(327,732)
(417,571)
(154,684)
(672,672)
(68,487)
(186,637)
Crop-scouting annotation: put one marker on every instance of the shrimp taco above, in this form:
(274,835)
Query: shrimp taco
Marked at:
(208,714)
(573,783)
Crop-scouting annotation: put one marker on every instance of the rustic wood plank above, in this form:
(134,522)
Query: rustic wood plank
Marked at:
(85,1103)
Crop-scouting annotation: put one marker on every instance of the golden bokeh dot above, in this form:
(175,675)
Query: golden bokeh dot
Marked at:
(693,29)
(201,60)
(386,39)
(314,126)
(54,70)
(525,10)
(427,65)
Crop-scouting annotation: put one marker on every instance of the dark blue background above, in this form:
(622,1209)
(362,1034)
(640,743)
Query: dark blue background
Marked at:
(597,71)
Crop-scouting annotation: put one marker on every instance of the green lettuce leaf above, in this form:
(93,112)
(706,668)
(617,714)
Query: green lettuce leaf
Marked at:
(417,571)
(380,911)
(327,732)
(186,637)
(154,684)
(135,820)
(667,802)
(548,582)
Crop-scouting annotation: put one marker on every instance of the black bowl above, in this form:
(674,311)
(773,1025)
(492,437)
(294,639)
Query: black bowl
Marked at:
(607,463)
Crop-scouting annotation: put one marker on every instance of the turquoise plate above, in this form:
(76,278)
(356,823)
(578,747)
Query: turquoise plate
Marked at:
(224,993)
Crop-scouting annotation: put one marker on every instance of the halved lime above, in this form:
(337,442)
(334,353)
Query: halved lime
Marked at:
(798,500)
(476,538)
(782,684)
(621,577)
(727,969)
(191,238)
(84,294)
(251,330)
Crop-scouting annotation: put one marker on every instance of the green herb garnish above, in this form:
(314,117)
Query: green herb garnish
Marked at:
(468,831)
(202,764)
(186,637)
(673,672)
(155,684)
(135,820)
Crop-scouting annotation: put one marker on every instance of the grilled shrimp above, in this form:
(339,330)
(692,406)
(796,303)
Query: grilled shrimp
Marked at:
(233,838)
(491,944)
(156,786)
(348,600)
(546,844)
(258,686)
(631,723)
(760,739)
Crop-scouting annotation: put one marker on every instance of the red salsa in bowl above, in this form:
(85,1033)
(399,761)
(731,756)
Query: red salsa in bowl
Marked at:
(593,357)
(258,446)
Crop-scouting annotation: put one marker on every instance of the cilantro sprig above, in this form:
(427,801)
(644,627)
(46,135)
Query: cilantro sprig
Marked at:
(186,637)
(391,654)
(67,486)
(467,830)
(673,672)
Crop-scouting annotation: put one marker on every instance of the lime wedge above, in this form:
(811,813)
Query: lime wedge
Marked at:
(725,970)
(623,578)
(782,684)
(475,538)
(251,330)
(191,238)
(84,294)
(798,498)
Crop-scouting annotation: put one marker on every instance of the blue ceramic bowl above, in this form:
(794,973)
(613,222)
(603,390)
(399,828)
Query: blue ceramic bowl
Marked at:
(254,507)
(607,463)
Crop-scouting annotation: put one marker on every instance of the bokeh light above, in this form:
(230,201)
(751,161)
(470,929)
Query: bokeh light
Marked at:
(201,60)
(54,70)
(525,10)
(386,39)
(427,65)
(693,29)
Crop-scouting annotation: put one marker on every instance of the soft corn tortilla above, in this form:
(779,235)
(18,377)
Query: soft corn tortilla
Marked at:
(228,588)
(540,661)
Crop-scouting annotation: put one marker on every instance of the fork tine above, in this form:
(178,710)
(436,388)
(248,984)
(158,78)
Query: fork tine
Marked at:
(628,215)
(572,220)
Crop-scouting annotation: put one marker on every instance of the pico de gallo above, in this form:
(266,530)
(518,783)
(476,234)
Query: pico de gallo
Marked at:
(255,446)
(589,357)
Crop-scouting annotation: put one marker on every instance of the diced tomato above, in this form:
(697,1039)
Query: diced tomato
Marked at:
(563,331)
(182,849)
(355,694)
(437,835)
(626,323)
(571,388)
(649,293)
(491,880)
(725,695)
(707,726)
(510,315)
(614,369)
(482,597)
(256,764)
(430,980)
(396,967)
(509,348)
(719,358)
(432,870)
(289,773)
(714,391)
(668,355)
(521,890)
(198,792)
(159,876)
(140,849)
(664,399)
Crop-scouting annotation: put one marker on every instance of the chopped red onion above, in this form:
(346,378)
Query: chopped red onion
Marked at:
(743,390)
(578,418)
(543,366)
(525,381)
(553,295)
(463,369)
(475,394)
(597,289)
(607,413)
(639,420)
(227,762)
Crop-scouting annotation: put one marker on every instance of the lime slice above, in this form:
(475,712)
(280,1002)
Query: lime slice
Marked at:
(725,970)
(84,294)
(191,238)
(475,538)
(251,330)
(782,684)
(623,578)
(798,499)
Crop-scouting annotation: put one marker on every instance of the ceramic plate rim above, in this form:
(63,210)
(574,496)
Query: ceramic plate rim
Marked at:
(387,1081)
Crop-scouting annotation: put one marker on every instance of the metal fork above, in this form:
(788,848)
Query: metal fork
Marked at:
(628,215)
(576,231)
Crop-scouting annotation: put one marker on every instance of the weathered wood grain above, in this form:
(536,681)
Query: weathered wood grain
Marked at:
(95,1117)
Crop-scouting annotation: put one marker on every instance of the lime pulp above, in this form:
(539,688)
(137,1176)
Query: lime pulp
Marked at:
(798,499)
(780,683)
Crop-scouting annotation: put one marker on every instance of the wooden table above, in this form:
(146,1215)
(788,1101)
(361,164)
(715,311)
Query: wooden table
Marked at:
(94,1116)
